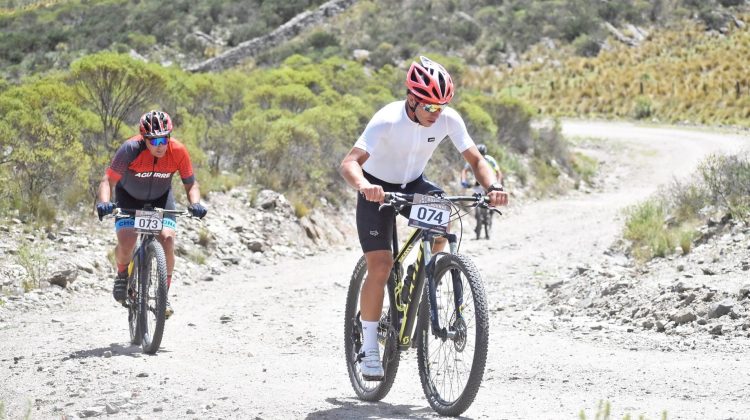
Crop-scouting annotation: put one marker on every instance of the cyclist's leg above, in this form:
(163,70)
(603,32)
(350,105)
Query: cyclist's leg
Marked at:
(126,236)
(169,233)
(126,240)
(375,229)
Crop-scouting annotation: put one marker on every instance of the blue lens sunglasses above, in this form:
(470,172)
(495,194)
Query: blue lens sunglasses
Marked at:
(158,141)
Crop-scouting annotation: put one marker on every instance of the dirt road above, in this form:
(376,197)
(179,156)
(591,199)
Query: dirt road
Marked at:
(268,344)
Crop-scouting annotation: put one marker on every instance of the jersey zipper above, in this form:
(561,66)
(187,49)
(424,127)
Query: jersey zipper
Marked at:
(151,181)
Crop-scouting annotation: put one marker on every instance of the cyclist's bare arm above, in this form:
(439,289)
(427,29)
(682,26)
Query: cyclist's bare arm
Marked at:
(485,175)
(105,188)
(193,192)
(464,174)
(351,170)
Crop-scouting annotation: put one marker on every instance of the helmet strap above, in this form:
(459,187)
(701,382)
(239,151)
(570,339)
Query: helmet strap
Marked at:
(413,110)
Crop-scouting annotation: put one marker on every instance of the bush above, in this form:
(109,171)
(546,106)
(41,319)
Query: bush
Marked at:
(323,39)
(643,108)
(586,46)
(646,229)
(727,179)
(34,260)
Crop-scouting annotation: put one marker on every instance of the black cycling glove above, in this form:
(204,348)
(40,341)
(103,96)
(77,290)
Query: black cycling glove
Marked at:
(197,210)
(103,209)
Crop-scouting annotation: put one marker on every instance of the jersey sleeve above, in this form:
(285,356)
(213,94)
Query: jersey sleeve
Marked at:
(457,131)
(185,166)
(373,132)
(127,152)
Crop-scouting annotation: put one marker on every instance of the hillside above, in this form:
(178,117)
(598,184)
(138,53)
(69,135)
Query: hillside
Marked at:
(684,74)
(44,35)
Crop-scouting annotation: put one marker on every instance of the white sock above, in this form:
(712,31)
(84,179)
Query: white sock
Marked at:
(370,335)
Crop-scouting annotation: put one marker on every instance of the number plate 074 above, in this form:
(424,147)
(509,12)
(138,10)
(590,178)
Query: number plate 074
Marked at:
(148,221)
(429,212)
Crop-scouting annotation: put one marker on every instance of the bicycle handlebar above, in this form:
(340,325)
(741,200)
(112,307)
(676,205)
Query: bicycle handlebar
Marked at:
(399,200)
(131,212)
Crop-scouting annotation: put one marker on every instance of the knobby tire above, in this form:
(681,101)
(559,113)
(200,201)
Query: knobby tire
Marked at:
(387,337)
(153,300)
(441,360)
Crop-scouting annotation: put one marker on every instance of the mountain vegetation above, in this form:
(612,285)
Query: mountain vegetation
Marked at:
(77,74)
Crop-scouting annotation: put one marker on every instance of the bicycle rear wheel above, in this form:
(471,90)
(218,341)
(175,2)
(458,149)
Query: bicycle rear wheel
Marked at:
(451,368)
(479,217)
(487,223)
(154,296)
(387,339)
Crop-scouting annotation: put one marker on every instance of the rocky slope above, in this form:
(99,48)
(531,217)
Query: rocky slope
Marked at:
(44,266)
(705,291)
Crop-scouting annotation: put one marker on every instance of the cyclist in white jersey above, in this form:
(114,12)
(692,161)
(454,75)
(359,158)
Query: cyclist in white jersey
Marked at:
(390,156)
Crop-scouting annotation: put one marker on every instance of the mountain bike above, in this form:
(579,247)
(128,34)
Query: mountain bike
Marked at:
(483,218)
(438,306)
(147,277)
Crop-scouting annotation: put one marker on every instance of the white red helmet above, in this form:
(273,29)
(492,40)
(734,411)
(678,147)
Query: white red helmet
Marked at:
(429,82)
(155,124)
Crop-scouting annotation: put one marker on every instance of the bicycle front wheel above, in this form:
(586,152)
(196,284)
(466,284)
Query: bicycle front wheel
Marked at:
(387,339)
(452,360)
(153,302)
(134,319)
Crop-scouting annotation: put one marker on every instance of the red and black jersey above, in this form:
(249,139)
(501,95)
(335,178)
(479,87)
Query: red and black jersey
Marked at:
(144,176)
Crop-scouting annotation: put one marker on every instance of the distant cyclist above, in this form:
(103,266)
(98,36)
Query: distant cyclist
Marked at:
(467,175)
(141,174)
(391,156)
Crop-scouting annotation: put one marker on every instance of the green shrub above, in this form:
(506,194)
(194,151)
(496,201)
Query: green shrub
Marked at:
(584,166)
(727,179)
(545,177)
(34,259)
(604,412)
(322,39)
(643,108)
(645,227)
(204,237)
(586,46)
(300,209)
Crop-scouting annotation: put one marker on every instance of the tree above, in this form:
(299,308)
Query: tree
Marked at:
(40,135)
(115,86)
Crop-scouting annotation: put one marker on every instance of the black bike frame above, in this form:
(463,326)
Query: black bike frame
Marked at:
(422,272)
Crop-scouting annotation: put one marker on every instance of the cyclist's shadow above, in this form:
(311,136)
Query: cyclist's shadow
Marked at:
(116,349)
(354,409)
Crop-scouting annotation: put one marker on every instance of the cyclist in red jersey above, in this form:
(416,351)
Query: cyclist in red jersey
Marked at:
(141,174)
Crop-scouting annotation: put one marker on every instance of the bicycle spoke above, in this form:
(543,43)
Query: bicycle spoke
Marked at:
(450,361)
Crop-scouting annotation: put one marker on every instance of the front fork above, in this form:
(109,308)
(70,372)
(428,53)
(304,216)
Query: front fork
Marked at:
(442,332)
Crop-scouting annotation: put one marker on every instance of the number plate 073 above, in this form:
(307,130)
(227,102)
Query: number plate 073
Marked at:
(148,221)
(429,212)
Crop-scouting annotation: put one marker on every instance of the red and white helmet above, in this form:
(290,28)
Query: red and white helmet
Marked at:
(429,82)
(155,124)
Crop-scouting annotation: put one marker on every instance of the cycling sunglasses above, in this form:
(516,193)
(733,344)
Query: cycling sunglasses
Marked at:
(158,141)
(433,107)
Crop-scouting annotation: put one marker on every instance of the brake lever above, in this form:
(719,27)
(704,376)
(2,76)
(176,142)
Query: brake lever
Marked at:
(384,205)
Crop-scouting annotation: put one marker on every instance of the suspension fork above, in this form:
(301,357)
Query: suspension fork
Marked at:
(442,332)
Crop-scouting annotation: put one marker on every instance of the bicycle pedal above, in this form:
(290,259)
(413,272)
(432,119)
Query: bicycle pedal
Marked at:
(373,378)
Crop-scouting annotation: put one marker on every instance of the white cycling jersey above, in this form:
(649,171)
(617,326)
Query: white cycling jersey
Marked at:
(400,148)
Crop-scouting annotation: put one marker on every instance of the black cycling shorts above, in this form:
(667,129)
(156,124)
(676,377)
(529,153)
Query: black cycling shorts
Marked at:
(375,228)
